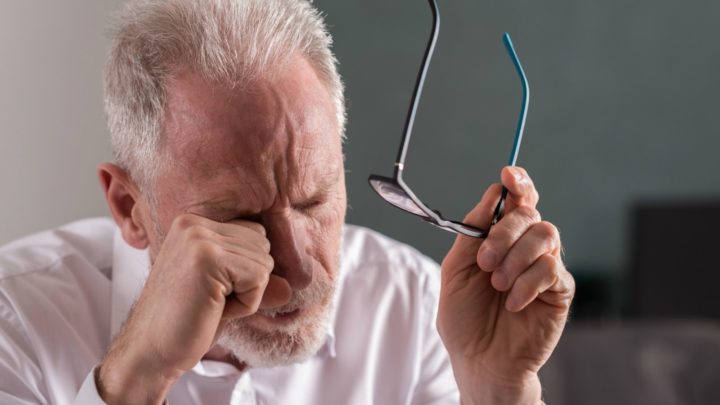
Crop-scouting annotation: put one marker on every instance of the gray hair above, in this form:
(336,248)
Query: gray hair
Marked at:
(227,41)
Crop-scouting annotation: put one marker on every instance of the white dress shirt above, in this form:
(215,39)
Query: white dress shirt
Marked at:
(65,293)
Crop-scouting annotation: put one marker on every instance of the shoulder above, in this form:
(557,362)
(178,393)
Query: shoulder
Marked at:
(378,268)
(54,296)
(381,260)
(88,240)
(58,271)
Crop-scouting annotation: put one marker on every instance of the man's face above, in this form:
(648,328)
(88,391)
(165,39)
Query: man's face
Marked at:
(269,152)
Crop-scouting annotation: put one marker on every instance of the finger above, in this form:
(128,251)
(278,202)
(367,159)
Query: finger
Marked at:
(277,292)
(521,189)
(561,293)
(246,231)
(541,238)
(541,276)
(465,247)
(244,224)
(504,235)
(235,308)
(204,228)
(248,282)
(251,252)
(482,215)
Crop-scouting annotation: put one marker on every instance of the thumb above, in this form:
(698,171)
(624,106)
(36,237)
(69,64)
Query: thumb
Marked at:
(277,293)
(463,252)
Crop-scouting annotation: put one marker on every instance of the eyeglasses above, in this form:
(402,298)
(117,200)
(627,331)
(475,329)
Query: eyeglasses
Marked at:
(396,192)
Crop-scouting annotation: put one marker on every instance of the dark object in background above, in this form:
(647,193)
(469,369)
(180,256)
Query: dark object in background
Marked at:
(635,362)
(598,294)
(675,266)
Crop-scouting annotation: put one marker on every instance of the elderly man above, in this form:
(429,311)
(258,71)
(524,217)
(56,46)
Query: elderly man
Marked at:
(228,275)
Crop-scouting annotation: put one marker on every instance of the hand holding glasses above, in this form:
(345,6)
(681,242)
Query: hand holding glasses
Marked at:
(396,192)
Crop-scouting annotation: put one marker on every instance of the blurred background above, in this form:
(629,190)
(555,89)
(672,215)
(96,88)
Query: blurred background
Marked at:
(621,140)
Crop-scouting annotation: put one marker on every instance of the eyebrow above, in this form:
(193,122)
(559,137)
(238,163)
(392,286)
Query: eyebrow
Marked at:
(223,205)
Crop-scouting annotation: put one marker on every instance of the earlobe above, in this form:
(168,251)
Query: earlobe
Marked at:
(124,201)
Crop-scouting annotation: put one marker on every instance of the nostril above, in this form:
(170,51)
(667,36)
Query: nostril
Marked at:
(299,276)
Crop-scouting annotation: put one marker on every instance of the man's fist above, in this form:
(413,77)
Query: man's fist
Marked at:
(204,273)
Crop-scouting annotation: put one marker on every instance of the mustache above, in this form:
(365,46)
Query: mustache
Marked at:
(319,292)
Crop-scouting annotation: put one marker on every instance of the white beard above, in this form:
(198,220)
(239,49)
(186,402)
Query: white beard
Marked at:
(258,343)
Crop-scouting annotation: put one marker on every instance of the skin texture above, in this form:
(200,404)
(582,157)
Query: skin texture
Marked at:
(250,208)
(504,299)
(250,211)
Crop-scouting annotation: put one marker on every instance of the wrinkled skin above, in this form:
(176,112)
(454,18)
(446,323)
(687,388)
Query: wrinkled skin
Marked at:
(249,210)
(504,299)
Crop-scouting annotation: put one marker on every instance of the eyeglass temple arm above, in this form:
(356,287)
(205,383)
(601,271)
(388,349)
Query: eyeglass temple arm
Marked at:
(521,120)
(419,83)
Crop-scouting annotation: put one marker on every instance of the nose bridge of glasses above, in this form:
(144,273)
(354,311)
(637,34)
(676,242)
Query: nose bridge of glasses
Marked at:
(394,190)
(394,193)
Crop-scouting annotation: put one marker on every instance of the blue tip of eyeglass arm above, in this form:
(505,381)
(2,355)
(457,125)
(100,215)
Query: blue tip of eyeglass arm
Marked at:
(525,101)
(507,40)
(513,55)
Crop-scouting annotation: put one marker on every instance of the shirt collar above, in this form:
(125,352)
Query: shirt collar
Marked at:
(130,270)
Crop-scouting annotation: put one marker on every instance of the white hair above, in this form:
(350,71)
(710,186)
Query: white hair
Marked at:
(227,41)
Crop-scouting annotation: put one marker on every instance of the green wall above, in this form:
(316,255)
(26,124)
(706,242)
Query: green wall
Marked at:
(623,109)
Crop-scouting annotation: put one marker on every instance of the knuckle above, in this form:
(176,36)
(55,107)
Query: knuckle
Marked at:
(268,261)
(571,285)
(265,245)
(528,212)
(197,232)
(205,249)
(547,230)
(523,286)
(184,221)
(535,195)
(548,261)
(259,279)
(255,227)
(550,266)
(251,301)
(567,279)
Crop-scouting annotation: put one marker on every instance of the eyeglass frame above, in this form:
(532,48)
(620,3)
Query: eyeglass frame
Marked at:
(432,216)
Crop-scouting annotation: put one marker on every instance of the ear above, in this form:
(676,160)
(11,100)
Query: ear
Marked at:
(127,207)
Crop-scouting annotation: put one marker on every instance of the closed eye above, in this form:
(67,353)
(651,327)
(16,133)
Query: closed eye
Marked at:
(308,205)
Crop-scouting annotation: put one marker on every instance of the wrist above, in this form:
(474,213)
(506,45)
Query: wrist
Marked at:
(123,378)
(478,387)
(529,393)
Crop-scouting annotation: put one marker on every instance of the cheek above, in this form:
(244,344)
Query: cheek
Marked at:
(324,230)
(160,219)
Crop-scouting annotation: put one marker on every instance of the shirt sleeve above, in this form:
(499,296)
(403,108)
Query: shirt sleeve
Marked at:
(21,380)
(88,394)
(436,384)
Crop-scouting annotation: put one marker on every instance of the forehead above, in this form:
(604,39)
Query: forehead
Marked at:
(277,130)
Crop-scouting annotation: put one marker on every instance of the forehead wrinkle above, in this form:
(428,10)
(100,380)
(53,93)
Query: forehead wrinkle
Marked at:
(256,147)
(299,159)
(260,182)
(314,176)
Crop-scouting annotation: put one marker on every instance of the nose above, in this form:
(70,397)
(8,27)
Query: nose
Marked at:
(288,243)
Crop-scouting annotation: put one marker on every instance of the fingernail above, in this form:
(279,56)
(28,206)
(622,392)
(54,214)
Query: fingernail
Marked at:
(500,280)
(511,303)
(517,174)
